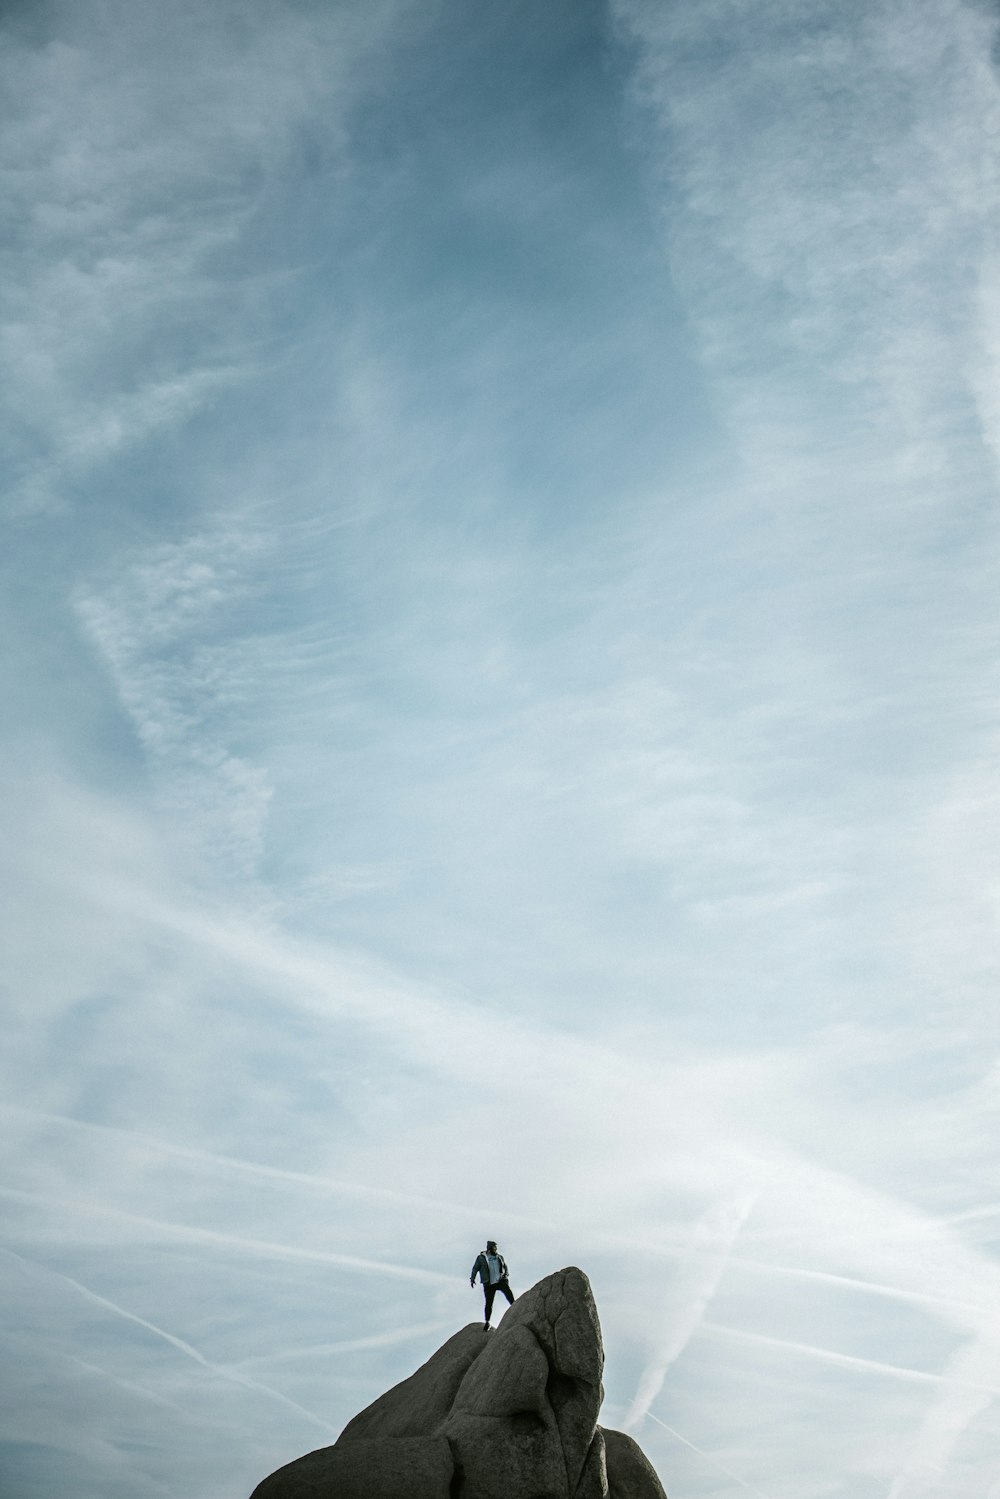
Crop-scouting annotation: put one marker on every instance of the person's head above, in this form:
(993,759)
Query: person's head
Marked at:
(491,1247)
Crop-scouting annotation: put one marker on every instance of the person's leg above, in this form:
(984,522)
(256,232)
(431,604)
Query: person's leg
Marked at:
(505,1288)
(490,1292)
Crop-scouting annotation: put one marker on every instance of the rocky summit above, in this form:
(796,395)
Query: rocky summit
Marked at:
(510,1414)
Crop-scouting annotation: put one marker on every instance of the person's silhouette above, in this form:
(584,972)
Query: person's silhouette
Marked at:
(491,1267)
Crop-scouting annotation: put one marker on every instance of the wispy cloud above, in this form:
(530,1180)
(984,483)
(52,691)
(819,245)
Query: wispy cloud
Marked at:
(850,232)
(133,162)
(161,630)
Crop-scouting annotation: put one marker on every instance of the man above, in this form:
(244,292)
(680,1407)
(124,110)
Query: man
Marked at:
(491,1267)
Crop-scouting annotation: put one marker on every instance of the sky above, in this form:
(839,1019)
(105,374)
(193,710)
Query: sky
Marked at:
(500,677)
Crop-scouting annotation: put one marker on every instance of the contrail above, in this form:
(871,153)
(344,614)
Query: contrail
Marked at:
(847,1360)
(251,1168)
(950,1414)
(318,1183)
(853,1283)
(710,1250)
(264,1247)
(904,1233)
(131,1386)
(348,1345)
(708,1458)
(182,1347)
(361,1190)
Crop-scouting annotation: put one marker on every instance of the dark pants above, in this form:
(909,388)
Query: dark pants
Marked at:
(490,1292)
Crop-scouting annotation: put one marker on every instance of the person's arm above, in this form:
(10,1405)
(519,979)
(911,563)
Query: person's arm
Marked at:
(476,1267)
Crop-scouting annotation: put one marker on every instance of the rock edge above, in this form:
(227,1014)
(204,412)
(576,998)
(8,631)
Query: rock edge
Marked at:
(510,1414)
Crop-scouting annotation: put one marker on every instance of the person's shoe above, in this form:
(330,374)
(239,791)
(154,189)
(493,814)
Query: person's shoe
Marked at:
(486,1327)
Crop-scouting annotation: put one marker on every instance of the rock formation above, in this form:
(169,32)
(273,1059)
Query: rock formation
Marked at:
(510,1414)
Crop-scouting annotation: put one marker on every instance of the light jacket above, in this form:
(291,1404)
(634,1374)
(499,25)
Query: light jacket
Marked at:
(482,1269)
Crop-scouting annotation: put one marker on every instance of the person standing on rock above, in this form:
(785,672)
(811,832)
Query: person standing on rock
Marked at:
(491,1267)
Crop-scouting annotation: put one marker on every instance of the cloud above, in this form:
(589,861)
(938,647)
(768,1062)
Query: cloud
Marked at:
(135,157)
(848,233)
(161,628)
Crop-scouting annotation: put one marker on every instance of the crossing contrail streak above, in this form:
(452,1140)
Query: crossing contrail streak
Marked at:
(234,1163)
(131,1386)
(182,1347)
(347,1345)
(709,1458)
(855,1283)
(266,1248)
(691,1293)
(847,1360)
